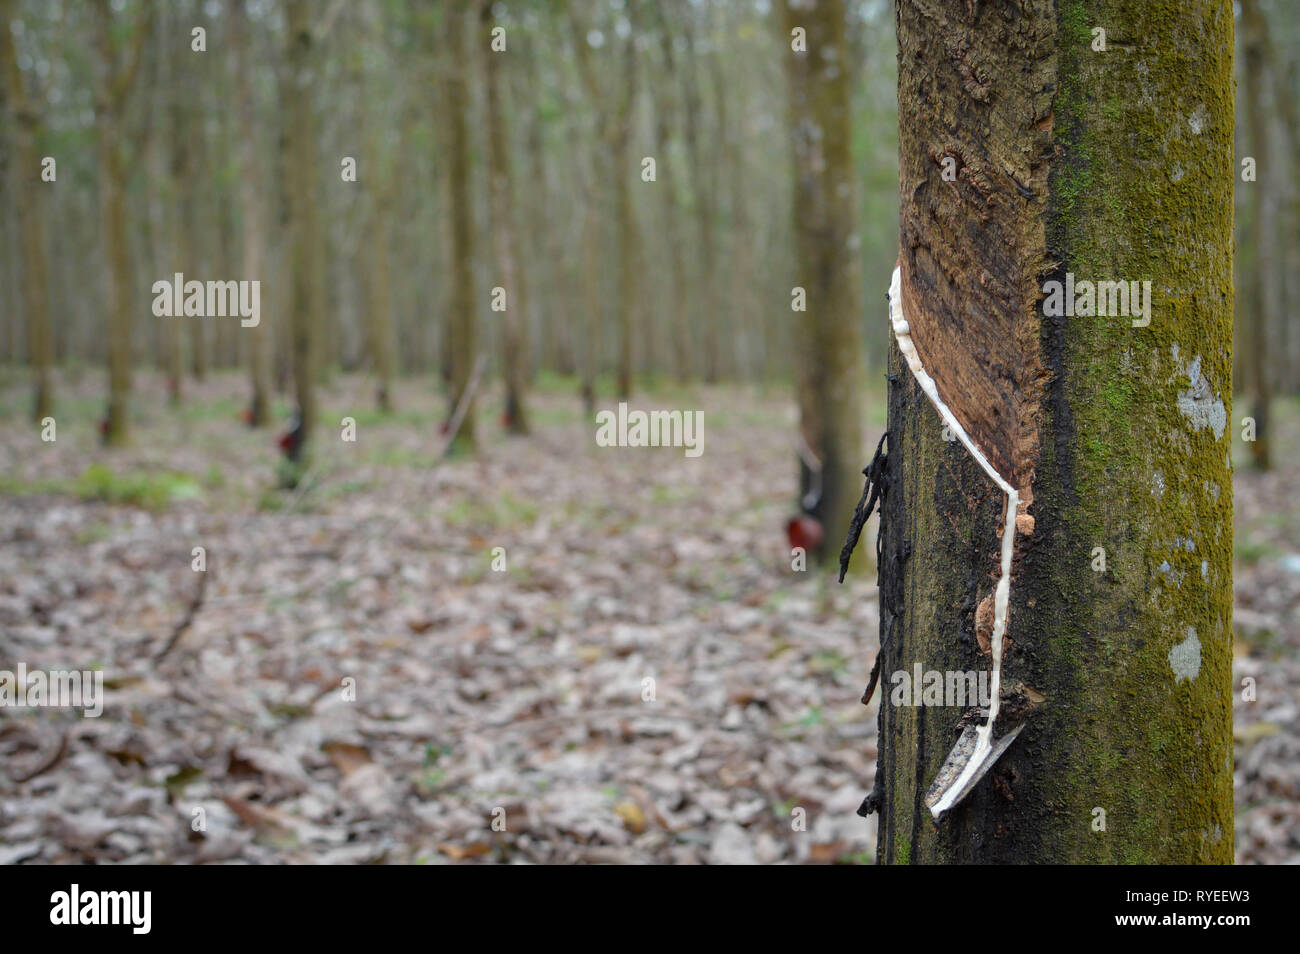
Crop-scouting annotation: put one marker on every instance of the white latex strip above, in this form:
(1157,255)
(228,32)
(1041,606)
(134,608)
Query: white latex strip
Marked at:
(984,746)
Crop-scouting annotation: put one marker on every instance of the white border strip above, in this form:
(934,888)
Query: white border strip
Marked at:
(984,742)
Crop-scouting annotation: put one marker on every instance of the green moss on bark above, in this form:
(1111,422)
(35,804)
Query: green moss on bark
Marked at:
(1134,459)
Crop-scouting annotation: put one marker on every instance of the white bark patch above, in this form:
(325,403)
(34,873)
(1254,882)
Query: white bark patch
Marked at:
(978,758)
(1185,658)
(1198,403)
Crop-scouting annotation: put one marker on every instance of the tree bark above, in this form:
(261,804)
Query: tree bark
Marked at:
(161,200)
(623,173)
(251,203)
(551,338)
(1262,278)
(678,324)
(184,240)
(505,237)
(588,348)
(1110,165)
(827,338)
(29,196)
(706,294)
(461,324)
(116,74)
(380,186)
(305,256)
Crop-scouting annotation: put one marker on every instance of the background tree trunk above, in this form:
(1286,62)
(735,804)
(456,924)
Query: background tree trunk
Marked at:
(29,196)
(703,203)
(303,223)
(461,321)
(1089,171)
(625,172)
(505,235)
(827,338)
(162,189)
(1262,279)
(251,204)
(184,240)
(678,324)
(380,185)
(116,76)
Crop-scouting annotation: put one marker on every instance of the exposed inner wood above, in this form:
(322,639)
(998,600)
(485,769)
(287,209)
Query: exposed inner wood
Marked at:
(971,284)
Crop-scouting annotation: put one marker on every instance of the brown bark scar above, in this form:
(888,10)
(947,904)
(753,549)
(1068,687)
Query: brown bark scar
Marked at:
(971,294)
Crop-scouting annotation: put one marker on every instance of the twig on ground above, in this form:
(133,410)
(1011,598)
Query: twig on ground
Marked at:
(184,623)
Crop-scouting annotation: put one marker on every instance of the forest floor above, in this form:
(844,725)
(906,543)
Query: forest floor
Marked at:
(515,696)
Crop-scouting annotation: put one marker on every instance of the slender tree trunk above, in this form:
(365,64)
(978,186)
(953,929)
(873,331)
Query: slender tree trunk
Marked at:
(461,323)
(1288,133)
(1118,648)
(113,82)
(162,189)
(379,278)
(678,323)
(625,173)
(550,340)
(614,123)
(728,359)
(188,245)
(161,199)
(742,259)
(183,241)
(251,204)
(305,257)
(377,273)
(505,237)
(827,337)
(587,327)
(10,260)
(1263,277)
(705,296)
(29,196)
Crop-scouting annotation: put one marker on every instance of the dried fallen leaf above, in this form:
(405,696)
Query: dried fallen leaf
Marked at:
(475,849)
(633,817)
(347,758)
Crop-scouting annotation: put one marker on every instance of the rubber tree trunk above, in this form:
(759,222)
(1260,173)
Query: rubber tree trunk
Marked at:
(113,82)
(1111,165)
(678,323)
(379,282)
(186,171)
(827,336)
(624,172)
(162,189)
(1263,278)
(505,235)
(184,238)
(375,255)
(461,325)
(29,196)
(252,204)
(552,340)
(706,311)
(588,343)
(305,253)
